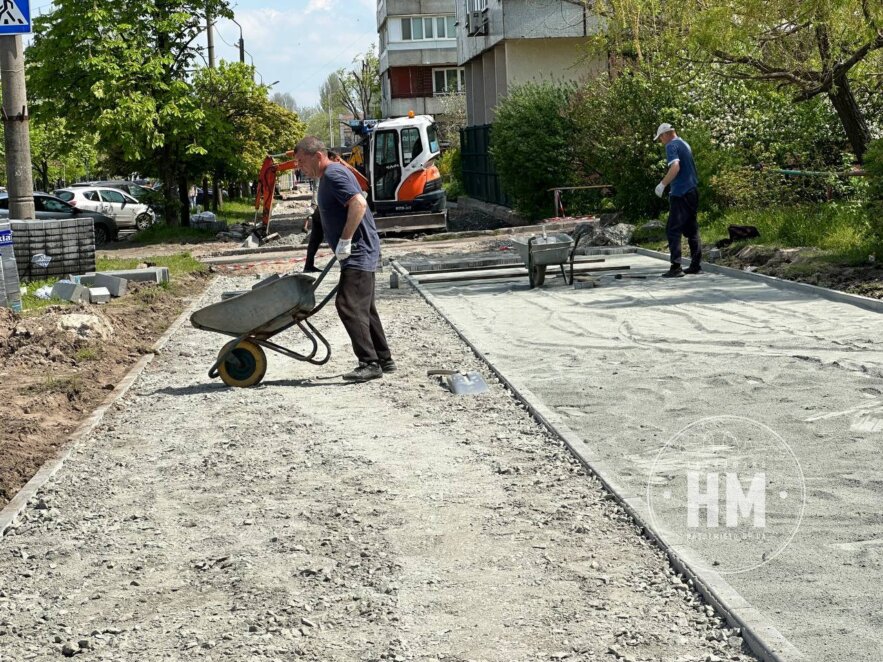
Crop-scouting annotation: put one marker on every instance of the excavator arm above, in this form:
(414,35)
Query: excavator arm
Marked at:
(266,187)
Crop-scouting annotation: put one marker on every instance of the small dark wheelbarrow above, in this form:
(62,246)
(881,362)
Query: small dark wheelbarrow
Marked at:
(255,316)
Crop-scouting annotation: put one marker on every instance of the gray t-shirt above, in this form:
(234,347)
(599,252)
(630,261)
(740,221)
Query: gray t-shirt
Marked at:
(337,187)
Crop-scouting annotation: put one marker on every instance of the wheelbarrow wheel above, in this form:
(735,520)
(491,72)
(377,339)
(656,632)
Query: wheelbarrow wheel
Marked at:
(246,365)
(538,277)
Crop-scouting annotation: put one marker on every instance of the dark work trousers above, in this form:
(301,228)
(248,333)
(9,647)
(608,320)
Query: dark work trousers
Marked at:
(355,305)
(317,236)
(682,222)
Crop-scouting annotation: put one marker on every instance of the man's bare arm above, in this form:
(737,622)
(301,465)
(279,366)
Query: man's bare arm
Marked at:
(355,211)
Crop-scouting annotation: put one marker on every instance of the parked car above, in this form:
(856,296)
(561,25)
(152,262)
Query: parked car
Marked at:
(122,207)
(48,207)
(134,189)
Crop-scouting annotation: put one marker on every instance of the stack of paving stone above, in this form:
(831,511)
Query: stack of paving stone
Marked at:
(68,243)
(10,288)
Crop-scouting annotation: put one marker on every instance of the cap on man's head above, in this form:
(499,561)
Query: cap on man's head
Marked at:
(663,128)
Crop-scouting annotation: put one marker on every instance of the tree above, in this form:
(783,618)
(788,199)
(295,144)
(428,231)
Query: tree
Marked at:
(120,70)
(285,100)
(812,47)
(241,126)
(360,87)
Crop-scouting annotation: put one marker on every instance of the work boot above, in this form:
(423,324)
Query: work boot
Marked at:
(674,272)
(388,365)
(311,269)
(693,269)
(364,372)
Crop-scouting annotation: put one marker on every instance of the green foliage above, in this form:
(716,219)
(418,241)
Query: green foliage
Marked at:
(874,168)
(740,134)
(532,146)
(451,169)
(241,125)
(839,227)
(615,122)
(120,70)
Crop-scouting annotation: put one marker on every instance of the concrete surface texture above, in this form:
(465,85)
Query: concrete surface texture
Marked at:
(671,381)
(312,519)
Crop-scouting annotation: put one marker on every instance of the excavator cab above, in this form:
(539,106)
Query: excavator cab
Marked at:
(403,177)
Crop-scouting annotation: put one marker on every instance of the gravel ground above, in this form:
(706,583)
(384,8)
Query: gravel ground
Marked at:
(310,519)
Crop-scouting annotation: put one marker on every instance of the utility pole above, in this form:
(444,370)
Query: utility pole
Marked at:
(210,32)
(330,129)
(17,139)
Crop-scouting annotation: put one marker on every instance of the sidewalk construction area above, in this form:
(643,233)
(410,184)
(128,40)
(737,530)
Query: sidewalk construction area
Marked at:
(310,518)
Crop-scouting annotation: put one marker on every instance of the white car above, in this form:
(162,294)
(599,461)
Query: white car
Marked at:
(122,207)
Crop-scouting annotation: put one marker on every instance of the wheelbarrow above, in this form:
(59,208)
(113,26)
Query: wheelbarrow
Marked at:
(254,316)
(539,252)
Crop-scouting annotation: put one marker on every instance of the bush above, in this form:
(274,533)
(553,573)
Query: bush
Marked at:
(739,133)
(532,146)
(874,167)
(450,166)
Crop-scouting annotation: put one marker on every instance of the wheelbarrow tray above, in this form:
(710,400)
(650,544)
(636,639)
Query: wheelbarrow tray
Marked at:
(551,249)
(260,312)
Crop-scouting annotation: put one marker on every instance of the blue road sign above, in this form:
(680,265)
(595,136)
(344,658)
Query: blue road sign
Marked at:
(15,16)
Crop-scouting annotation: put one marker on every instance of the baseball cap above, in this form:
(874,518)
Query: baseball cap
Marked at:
(663,128)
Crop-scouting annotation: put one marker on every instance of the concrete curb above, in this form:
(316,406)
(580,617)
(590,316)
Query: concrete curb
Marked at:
(761,636)
(51,467)
(874,305)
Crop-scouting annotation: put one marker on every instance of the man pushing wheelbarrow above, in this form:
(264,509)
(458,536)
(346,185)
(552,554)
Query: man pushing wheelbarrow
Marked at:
(254,317)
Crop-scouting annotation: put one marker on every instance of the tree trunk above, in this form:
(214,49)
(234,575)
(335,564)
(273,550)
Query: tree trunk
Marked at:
(184,200)
(217,201)
(850,116)
(43,169)
(205,193)
(167,176)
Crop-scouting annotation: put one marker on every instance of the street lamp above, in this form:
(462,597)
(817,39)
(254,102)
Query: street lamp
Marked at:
(241,42)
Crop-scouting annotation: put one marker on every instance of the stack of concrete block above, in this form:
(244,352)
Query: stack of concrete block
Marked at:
(10,287)
(70,243)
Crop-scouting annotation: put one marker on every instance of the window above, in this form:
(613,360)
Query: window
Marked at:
(432,134)
(415,28)
(53,205)
(113,196)
(448,81)
(385,149)
(411,145)
(91,195)
(67,196)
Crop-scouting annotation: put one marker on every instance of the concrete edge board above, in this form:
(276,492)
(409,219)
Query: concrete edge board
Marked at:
(874,305)
(19,502)
(761,636)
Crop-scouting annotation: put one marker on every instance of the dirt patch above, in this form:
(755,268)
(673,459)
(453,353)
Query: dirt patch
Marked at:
(806,265)
(58,364)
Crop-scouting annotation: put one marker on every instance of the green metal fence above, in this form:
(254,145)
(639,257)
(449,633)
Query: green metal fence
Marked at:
(480,178)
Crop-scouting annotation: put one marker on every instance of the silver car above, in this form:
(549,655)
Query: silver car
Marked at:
(122,207)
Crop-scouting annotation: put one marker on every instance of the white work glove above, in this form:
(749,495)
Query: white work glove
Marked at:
(660,189)
(344,249)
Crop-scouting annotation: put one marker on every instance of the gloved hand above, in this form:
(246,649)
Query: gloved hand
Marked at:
(660,189)
(344,249)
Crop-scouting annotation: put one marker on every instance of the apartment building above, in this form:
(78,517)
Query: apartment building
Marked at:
(503,43)
(418,56)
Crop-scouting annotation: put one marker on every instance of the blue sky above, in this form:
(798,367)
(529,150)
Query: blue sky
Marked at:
(299,42)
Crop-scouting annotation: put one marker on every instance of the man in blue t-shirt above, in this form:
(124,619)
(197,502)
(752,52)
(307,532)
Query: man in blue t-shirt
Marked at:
(349,227)
(683,201)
